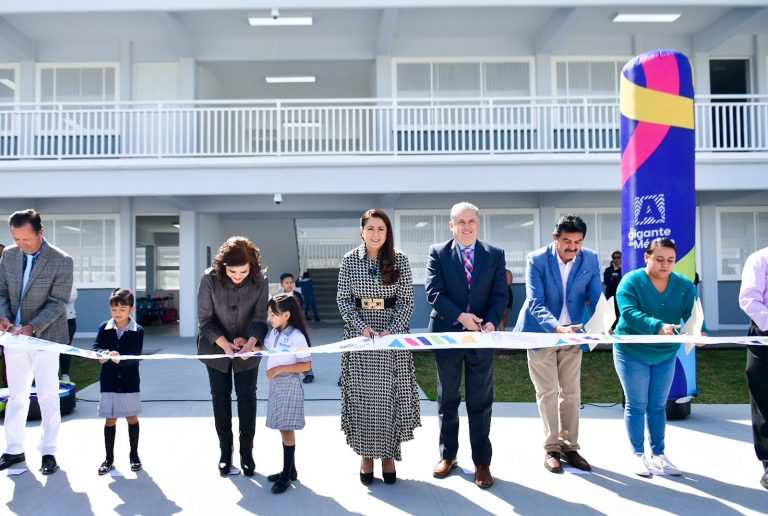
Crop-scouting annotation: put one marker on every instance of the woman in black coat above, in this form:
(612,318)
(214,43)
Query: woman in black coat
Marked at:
(232,312)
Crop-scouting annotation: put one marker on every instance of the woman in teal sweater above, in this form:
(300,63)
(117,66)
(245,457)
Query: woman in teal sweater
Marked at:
(652,301)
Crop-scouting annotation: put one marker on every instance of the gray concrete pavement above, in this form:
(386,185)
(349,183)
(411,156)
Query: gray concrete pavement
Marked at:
(179,450)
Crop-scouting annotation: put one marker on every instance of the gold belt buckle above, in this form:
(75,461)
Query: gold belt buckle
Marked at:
(372,304)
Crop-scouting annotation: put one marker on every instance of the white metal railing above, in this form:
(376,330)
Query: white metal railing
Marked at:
(325,254)
(353,126)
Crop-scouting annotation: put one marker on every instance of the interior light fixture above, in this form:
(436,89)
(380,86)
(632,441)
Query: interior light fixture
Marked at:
(302,125)
(176,225)
(421,224)
(280,21)
(645,17)
(290,79)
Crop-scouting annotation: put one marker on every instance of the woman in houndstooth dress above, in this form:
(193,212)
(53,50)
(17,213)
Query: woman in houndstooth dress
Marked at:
(380,401)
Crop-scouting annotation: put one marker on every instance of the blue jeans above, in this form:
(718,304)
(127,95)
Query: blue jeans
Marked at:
(646,389)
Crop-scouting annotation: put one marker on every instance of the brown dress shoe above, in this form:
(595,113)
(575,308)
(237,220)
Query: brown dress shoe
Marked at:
(552,462)
(483,476)
(577,461)
(443,468)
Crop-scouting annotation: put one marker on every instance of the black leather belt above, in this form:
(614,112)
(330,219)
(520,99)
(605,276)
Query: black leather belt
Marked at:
(370,303)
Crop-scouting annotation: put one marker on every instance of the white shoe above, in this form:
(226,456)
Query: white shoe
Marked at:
(641,465)
(661,462)
(65,378)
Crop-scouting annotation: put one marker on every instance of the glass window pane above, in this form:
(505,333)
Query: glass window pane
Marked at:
(413,80)
(168,280)
(515,234)
(141,280)
(91,244)
(506,79)
(8,86)
(737,240)
(168,256)
(457,80)
(141,256)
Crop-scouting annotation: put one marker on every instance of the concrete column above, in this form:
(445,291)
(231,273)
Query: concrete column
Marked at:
(543,66)
(383,77)
(190,267)
(700,61)
(187,78)
(126,70)
(126,244)
(709,267)
(27,80)
(760,59)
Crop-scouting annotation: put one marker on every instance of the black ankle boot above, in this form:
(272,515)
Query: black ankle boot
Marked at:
(225,463)
(247,463)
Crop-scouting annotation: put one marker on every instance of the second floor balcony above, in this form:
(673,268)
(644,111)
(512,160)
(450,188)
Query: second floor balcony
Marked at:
(386,127)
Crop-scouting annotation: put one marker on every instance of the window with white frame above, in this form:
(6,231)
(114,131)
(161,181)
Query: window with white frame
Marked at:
(603,230)
(588,77)
(77,82)
(515,231)
(434,79)
(92,242)
(740,232)
(167,268)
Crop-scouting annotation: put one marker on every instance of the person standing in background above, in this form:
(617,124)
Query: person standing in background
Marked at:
(65,361)
(307,287)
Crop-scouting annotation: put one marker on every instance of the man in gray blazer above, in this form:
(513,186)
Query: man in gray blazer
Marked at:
(35,283)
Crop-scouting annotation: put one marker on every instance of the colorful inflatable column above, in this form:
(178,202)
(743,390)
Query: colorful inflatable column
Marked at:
(658,188)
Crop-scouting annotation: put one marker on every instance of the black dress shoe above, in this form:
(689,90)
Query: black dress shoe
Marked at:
(247,463)
(276,476)
(136,463)
(105,467)
(9,459)
(280,486)
(49,466)
(309,378)
(366,478)
(764,478)
(391,476)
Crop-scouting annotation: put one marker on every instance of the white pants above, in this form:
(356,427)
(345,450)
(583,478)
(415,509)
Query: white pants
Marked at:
(21,366)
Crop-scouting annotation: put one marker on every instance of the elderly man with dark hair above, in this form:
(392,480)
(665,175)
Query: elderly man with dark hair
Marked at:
(560,279)
(467,288)
(35,283)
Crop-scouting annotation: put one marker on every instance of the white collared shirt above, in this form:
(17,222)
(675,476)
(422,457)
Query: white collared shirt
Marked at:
(565,271)
(131,326)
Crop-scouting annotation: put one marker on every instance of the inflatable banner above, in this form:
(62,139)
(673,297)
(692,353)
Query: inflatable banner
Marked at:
(657,171)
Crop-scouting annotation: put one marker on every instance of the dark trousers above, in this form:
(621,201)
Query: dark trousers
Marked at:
(65,361)
(221,394)
(757,380)
(309,301)
(478,384)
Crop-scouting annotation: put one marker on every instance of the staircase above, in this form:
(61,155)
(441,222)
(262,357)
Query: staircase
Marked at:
(325,281)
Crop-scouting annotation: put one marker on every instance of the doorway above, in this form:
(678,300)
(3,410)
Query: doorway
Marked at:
(157,273)
(730,118)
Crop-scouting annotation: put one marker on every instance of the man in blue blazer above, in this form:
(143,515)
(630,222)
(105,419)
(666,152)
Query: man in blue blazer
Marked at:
(560,279)
(467,289)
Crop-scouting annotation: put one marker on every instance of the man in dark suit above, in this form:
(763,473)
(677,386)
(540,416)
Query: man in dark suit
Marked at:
(467,289)
(35,284)
(561,279)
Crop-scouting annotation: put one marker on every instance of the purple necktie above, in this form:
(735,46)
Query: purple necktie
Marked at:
(468,265)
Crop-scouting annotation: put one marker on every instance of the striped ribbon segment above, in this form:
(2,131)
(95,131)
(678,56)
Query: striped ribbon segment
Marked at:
(413,342)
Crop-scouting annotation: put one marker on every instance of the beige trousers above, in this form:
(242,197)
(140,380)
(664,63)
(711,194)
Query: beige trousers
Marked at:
(556,375)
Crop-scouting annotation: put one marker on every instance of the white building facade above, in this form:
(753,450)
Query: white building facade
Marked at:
(146,133)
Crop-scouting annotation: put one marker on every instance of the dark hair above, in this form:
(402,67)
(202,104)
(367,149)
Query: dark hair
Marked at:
(282,303)
(121,297)
(285,275)
(305,275)
(19,218)
(661,242)
(235,252)
(570,224)
(389,275)
(613,254)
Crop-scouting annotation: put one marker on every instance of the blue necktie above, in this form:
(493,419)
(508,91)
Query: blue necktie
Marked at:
(24,281)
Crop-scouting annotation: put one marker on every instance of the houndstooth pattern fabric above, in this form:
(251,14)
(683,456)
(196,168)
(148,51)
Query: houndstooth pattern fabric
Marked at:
(285,406)
(379,400)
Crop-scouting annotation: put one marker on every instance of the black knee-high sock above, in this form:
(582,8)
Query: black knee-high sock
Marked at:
(133,439)
(288,462)
(109,442)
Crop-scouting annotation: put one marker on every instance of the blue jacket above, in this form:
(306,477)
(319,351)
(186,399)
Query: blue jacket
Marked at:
(544,290)
(447,291)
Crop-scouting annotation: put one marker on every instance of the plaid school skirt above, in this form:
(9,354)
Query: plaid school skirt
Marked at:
(119,404)
(285,408)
